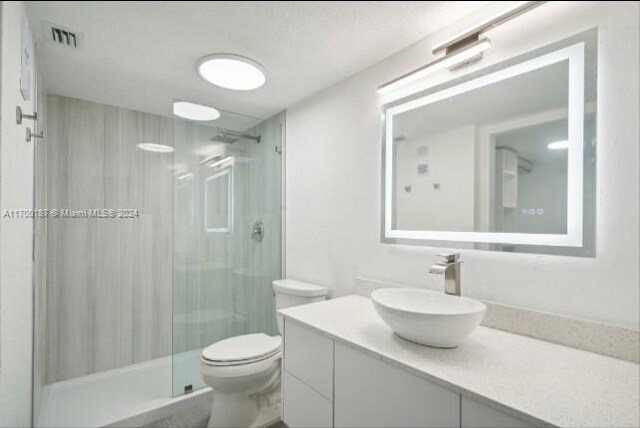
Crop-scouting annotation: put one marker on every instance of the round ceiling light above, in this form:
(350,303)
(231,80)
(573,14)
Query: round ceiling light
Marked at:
(193,111)
(232,72)
(157,148)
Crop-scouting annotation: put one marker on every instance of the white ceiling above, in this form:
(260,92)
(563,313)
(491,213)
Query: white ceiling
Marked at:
(141,55)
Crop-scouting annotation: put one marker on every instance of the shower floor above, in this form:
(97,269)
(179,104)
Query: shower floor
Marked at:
(128,396)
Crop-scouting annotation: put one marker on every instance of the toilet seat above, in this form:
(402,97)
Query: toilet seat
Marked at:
(239,370)
(242,350)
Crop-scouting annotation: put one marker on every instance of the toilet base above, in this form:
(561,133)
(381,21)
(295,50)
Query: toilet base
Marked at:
(234,410)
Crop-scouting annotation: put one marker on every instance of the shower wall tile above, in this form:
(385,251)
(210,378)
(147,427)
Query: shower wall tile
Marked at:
(152,315)
(108,280)
(146,185)
(74,248)
(127,281)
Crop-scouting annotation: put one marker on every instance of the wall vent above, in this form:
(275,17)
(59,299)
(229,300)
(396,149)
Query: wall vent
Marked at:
(61,36)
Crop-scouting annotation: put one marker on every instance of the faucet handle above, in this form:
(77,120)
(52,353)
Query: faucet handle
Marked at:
(451,257)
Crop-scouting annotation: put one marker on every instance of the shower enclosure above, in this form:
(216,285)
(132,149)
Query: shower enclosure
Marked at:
(222,270)
(150,256)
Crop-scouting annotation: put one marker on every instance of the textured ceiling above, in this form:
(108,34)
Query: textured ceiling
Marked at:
(141,55)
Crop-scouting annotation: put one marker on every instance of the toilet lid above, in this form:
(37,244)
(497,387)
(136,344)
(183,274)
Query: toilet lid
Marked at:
(299,288)
(249,347)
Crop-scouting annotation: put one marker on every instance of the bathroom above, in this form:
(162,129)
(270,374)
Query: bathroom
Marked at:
(318,214)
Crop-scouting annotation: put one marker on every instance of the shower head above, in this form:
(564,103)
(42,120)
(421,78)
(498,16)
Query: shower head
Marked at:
(223,139)
(229,137)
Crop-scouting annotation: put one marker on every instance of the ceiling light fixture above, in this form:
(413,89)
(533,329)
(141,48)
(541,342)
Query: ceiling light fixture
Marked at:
(192,111)
(156,148)
(232,72)
(558,145)
(463,49)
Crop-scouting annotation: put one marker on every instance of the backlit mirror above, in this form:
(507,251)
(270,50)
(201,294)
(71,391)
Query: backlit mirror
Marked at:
(502,159)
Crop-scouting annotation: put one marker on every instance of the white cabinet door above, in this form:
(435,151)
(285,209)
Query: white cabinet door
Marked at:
(476,415)
(302,406)
(309,357)
(371,393)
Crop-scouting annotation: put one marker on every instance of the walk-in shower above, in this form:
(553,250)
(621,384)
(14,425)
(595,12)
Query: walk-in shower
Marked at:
(127,303)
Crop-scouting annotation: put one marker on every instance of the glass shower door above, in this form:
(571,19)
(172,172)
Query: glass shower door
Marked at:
(222,271)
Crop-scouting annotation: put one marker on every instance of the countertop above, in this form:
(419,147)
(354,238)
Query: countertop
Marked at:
(539,382)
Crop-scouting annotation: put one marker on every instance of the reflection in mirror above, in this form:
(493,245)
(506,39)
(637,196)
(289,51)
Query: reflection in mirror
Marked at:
(497,158)
(435,162)
(219,201)
(530,179)
(184,209)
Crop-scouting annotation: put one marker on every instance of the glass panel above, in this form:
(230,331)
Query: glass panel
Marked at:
(222,277)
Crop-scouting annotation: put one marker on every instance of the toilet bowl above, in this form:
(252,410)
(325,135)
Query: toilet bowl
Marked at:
(244,371)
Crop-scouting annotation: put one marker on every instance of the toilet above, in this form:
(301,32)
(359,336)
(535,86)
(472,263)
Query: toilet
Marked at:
(244,371)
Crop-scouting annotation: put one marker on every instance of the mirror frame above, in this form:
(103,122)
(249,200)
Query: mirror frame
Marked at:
(571,243)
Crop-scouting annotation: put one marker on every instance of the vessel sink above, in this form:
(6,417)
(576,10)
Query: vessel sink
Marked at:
(427,317)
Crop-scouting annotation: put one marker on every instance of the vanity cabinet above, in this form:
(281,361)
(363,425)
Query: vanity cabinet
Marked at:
(329,384)
(303,406)
(371,393)
(477,415)
(309,357)
(307,378)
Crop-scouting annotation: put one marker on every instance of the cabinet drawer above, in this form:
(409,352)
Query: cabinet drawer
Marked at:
(477,415)
(302,406)
(371,393)
(309,357)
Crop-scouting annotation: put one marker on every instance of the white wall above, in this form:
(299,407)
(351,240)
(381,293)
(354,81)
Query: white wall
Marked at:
(16,192)
(334,163)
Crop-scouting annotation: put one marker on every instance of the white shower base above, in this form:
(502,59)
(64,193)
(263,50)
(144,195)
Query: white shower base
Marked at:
(134,395)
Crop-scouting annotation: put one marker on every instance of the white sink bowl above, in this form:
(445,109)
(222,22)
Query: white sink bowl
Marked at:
(427,317)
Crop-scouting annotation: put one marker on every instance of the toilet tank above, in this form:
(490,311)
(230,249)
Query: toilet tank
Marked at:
(289,292)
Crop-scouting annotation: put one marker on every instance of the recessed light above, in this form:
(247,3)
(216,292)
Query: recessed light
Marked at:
(558,145)
(157,148)
(194,111)
(232,72)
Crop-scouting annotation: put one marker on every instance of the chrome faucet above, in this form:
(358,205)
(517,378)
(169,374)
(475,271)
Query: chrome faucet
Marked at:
(450,267)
